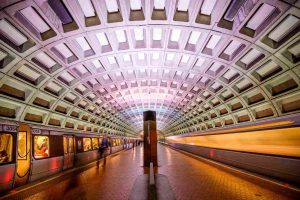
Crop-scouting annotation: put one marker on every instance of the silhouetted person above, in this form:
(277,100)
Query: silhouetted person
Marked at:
(101,151)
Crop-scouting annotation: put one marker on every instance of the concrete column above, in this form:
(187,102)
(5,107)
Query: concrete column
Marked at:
(150,139)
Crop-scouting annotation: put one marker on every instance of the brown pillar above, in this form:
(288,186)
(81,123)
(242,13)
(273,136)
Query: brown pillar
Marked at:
(150,138)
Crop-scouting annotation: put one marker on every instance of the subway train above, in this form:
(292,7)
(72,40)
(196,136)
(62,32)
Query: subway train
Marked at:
(269,148)
(31,152)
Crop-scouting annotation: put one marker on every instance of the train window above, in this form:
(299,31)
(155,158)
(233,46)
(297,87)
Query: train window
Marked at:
(6,148)
(22,146)
(71,145)
(95,142)
(79,144)
(65,145)
(41,147)
(87,144)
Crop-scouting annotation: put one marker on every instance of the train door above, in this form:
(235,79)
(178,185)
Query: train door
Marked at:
(23,155)
(68,151)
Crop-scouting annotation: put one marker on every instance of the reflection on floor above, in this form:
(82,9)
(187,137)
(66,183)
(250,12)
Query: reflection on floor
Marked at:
(190,179)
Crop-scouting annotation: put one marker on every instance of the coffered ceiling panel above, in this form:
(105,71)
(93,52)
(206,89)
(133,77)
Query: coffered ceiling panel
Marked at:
(96,65)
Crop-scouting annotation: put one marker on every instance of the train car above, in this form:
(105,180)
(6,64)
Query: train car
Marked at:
(29,152)
(116,144)
(269,148)
(8,156)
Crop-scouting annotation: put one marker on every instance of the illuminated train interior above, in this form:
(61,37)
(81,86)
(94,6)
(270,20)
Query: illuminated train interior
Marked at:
(222,75)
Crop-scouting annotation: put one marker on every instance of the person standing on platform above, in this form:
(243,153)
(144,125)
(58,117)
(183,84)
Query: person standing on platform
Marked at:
(101,150)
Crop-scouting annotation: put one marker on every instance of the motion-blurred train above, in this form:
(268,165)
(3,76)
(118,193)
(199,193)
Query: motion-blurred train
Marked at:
(30,152)
(268,148)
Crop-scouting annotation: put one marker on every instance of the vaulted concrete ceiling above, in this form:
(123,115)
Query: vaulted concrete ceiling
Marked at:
(96,65)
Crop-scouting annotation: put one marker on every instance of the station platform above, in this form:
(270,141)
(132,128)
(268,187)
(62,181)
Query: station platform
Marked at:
(190,178)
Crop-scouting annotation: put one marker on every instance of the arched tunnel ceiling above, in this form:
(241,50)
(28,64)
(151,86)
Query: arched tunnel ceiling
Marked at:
(199,64)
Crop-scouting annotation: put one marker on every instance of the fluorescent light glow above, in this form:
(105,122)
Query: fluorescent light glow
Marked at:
(267,68)
(183,5)
(178,73)
(97,63)
(138,34)
(71,96)
(112,5)
(185,58)
(81,88)
(82,103)
(191,76)
(45,59)
(111,60)
(11,33)
(93,81)
(126,58)
(250,56)
(159,4)
(232,47)
(157,34)
(118,74)
(102,39)
(213,41)
(200,62)
(229,74)
(205,94)
(155,55)
(194,37)
(83,43)
(285,27)
(135,4)
(81,69)
(87,8)
(204,79)
(121,37)
(260,16)
(98,101)
(196,89)
(67,76)
(216,85)
(175,34)
(141,56)
(207,7)
(170,56)
(215,67)
(28,72)
(242,84)
(92,107)
(31,15)
(54,87)
(64,50)
(105,77)
(166,71)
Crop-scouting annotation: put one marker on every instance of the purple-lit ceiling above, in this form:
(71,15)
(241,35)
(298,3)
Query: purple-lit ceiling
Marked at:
(199,64)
